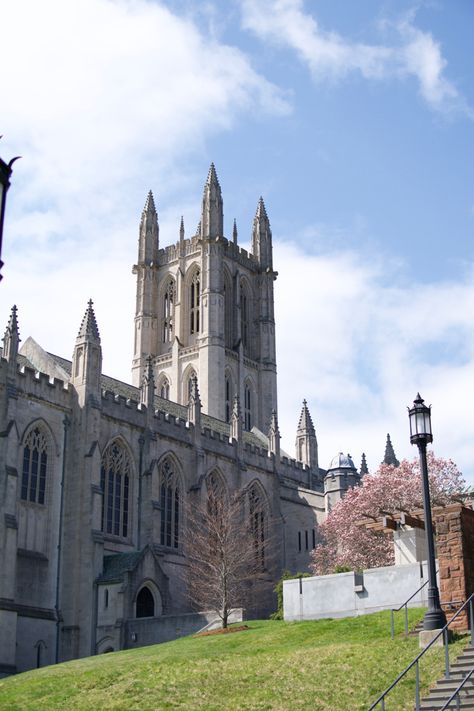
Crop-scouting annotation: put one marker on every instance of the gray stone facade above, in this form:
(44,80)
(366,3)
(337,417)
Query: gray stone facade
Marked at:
(95,473)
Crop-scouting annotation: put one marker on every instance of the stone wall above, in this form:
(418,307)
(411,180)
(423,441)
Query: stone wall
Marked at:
(455,541)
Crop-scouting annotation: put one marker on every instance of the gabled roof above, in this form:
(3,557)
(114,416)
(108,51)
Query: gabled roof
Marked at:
(116,565)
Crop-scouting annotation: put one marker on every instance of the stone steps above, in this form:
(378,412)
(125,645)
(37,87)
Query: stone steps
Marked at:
(443,688)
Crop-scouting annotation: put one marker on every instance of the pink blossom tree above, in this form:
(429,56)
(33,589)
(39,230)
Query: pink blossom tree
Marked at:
(342,543)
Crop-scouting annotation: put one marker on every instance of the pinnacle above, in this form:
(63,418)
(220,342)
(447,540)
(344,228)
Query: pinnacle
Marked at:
(181,228)
(234,232)
(363,465)
(212,176)
(13,321)
(261,209)
(89,324)
(305,423)
(149,203)
(390,457)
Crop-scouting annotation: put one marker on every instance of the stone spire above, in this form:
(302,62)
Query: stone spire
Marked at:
(274,435)
(212,217)
(262,237)
(306,442)
(149,233)
(147,388)
(363,466)
(390,457)
(88,328)
(11,339)
(234,232)
(181,229)
(194,404)
(87,359)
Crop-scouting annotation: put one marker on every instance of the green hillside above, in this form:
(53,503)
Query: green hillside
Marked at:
(326,664)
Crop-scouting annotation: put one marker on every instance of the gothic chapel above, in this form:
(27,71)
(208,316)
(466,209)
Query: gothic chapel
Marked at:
(95,474)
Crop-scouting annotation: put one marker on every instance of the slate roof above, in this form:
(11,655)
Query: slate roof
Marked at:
(116,565)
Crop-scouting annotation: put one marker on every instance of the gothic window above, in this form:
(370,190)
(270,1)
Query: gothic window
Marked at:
(195,303)
(228,398)
(35,461)
(257,523)
(168,312)
(115,484)
(244,321)
(165,389)
(248,407)
(169,505)
(228,312)
(145,603)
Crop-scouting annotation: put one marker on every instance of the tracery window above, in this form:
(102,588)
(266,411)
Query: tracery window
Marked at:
(165,389)
(195,303)
(228,312)
(248,408)
(115,484)
(257,523)
(169,505)
(168,312)
(245,317)
(35,462)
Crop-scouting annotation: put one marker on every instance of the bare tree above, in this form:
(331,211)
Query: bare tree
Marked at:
(227,553)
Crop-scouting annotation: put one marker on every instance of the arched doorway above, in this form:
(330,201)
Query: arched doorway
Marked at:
(145,603)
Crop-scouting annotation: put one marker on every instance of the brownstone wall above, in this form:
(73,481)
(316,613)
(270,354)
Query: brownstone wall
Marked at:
(455,548)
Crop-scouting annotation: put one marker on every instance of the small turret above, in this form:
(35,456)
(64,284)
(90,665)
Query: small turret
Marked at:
(363,466)
(212,218)
(11,339)
(390,457)
(194,404)
(262,237)
(306,442)
(149,233)
(236,420)
(147,388)
(274,435)
(87,359)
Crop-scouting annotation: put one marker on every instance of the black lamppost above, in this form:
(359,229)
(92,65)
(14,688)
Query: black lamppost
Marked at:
(5,173)
(420,434)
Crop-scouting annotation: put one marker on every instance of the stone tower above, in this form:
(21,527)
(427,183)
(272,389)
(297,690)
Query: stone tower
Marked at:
(205,309)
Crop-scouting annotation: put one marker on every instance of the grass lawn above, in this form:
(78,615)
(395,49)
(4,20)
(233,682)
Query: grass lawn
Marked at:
(327,664)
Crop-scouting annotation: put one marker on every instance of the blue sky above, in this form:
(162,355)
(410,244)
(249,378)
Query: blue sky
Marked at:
(353,120)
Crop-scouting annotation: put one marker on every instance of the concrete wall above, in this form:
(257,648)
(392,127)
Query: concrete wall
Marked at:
(144,631)
(351,594)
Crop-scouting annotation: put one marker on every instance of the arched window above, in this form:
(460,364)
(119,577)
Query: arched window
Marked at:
(35,462)
(145,603)
(257,512)
(169,505)
(195,302)
(40,647)
(168,311)
(228,398)
(228,312)
(115,485)
(165,388)
(248,419)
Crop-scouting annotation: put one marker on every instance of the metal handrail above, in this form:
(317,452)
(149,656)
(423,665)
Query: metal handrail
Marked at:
(415,662)
(405,605)
(455,694)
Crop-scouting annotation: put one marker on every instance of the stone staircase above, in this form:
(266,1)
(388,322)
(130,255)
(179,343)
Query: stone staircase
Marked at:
(443,689)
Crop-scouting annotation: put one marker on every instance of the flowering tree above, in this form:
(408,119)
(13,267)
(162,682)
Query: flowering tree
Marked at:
(391,489)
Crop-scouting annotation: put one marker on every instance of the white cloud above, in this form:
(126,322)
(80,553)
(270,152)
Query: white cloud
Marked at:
(102,98)
(358,347)
(329,55)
